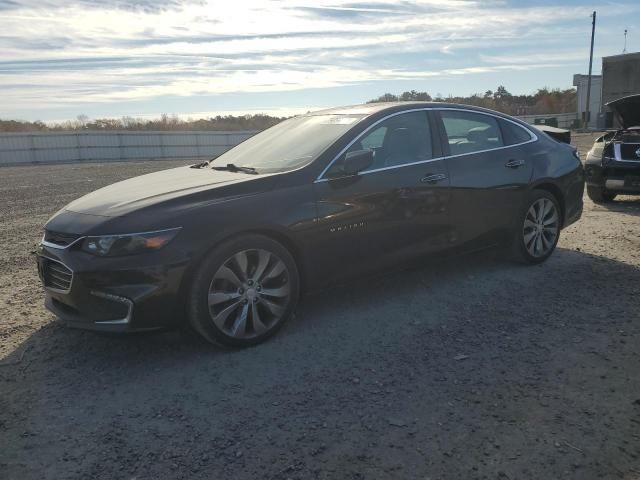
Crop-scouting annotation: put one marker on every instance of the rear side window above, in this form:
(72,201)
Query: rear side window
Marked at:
(469,132)
(513,134)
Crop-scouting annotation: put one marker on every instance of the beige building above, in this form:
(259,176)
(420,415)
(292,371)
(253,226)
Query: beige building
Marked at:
(595,101)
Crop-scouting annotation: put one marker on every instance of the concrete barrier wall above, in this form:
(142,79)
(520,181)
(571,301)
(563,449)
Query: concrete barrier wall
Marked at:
(65,147)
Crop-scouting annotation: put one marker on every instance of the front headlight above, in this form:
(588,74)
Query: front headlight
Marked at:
(128,244)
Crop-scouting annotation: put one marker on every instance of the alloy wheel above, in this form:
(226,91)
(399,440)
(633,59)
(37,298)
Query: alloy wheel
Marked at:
(249,293)
(541,227)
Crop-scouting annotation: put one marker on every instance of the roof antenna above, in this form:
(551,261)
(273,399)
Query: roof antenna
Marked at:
(624,50)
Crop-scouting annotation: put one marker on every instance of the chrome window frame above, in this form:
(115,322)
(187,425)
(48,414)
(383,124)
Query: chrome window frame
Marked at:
(533,138)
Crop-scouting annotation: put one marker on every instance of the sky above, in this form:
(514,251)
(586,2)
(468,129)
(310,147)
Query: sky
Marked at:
(198,58)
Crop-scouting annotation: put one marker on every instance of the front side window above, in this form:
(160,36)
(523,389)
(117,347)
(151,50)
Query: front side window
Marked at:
(374,139)
(469,132)
(396,141)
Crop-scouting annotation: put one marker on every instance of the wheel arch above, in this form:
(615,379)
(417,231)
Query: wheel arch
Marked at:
(274,234)
(287,242)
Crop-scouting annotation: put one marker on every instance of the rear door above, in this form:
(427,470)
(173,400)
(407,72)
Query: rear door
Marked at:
(488,170)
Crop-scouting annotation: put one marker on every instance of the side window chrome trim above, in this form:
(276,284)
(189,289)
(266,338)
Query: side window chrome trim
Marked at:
(382,169)
(534,138)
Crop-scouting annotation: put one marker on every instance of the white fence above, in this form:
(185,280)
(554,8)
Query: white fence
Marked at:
(64,147)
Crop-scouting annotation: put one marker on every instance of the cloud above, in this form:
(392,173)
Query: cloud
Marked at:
(104,51)
(132,5)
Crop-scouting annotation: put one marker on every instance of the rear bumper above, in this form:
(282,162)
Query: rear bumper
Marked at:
(572,186)
(573,214)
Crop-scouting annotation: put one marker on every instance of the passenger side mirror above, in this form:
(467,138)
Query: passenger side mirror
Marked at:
(356,162)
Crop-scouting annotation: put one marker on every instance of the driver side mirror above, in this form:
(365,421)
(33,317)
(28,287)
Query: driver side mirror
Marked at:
(356,162)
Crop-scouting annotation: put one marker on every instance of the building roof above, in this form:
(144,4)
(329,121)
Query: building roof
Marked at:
(622,57)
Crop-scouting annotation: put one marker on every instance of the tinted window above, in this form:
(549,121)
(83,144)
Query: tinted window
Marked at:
(374,139)
(398,140)
(469,132)
(513,134)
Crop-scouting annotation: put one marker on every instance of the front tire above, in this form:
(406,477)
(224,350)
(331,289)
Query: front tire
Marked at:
(600,194)
(538,228)
(244,292)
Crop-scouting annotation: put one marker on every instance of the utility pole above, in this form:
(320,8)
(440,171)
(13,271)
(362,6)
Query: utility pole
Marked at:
(624,50)
(593,33)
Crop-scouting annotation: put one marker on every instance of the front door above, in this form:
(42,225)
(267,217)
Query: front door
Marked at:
(395,208)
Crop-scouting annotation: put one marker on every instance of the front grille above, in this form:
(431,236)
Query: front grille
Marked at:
(61,239)
(55,275)
(628,151)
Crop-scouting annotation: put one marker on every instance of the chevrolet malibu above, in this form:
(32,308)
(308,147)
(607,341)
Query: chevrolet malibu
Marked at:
(230,244)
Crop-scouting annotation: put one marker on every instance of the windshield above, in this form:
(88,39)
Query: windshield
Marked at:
(291,144)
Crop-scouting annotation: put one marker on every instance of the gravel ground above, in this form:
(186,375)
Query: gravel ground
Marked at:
(462,368)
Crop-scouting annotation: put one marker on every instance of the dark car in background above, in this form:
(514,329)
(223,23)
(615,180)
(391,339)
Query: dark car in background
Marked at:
(229,245)
(612,166)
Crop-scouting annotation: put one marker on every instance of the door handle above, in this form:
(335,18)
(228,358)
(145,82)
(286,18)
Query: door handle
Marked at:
(514,163)
(436,177)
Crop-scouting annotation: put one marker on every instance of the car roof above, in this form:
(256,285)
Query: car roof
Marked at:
(367,109)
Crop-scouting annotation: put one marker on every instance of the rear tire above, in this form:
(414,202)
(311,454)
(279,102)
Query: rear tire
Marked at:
(600,194)
(538,229)
(244,292)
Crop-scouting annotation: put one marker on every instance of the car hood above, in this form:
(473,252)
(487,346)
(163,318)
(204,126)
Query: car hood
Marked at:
(626,110)
(146,190)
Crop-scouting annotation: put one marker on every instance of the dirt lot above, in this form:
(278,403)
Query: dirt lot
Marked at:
(458,369)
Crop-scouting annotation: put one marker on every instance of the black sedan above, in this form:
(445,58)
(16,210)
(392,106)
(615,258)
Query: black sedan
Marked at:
(613,165)
(229,245)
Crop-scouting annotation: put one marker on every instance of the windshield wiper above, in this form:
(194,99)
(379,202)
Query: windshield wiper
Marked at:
(200,165)
(235,168)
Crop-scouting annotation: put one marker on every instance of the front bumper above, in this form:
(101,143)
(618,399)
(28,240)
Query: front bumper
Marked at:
(619,177)
(125,294)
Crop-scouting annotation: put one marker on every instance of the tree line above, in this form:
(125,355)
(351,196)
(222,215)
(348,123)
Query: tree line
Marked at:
(164,123)
(543,101)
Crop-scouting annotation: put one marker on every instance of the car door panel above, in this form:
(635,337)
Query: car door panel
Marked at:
(486,185)
(394,210)
(362,220)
